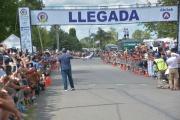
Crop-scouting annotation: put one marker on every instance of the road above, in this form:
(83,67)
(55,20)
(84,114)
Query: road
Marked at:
(104,92)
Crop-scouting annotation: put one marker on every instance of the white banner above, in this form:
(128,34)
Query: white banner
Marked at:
(104,16)
(25,29)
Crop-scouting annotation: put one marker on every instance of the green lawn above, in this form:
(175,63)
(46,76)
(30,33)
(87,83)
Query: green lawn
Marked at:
(29,112)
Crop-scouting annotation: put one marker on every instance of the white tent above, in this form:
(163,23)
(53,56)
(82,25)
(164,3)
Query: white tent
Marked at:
(34,49)
(12,41)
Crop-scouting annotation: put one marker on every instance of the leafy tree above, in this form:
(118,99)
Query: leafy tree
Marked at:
(102,36)
(8,19)
(113,36)
(84,42)
(67,41)
(141,35)
(52,35)
(44,36)
(33,4)
(72,32)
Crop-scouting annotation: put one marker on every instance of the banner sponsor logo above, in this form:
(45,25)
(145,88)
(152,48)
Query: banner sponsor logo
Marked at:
(42,17)
(166,9)
(166,15)
(23,12)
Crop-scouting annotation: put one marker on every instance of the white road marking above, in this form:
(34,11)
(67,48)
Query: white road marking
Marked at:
(92,84)
(119,84)
(144,84)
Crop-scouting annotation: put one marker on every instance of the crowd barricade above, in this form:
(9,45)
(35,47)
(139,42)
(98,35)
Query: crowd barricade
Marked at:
(131,64)
(150,68)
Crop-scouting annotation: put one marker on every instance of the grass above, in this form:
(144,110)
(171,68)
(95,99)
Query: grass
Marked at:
(31,109)
(30,112)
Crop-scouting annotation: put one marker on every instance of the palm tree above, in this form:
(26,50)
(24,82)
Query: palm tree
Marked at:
(103,37)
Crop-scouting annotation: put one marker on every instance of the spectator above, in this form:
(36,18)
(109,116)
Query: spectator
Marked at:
(151,49)
(160,67)
(5,107)
(172,62)
(64,60)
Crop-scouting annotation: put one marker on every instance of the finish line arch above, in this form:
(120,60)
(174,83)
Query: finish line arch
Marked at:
(91,17)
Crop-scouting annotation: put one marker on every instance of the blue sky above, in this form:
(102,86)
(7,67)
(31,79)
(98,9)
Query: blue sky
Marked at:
(83,30)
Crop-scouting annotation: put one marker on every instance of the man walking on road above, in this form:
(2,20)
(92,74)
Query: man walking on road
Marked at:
(65,63)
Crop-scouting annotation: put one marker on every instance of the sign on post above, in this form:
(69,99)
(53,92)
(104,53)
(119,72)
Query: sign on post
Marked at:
(25,29)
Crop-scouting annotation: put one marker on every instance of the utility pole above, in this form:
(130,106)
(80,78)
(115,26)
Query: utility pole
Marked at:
(40,38)
(93,44)
(89,37)
(57,36)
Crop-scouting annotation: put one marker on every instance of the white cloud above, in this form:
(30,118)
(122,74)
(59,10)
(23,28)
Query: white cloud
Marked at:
(94,2)
(83,30)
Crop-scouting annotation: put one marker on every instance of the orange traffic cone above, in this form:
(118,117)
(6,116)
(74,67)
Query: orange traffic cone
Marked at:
(51,68)
(134,70)
(140,72)
(124,67)
(48,79)
(113,65)
(46,84)
(146,74)
(121,66)
(50,82)
(55,67)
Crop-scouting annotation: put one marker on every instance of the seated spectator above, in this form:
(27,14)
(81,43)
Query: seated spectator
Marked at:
(6,108)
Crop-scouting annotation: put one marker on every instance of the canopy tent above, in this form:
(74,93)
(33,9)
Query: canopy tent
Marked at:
(12,41)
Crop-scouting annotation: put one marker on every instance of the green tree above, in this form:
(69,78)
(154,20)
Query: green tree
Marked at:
(33,4)
(67,41)
(72,32)
(8,19)
(52,35)
(164,29)
(141,35)
(113,36)
(44,36)
(84,42)
(102,36)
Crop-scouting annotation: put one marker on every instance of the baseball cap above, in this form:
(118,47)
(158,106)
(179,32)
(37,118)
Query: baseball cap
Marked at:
(63,50)
(156,55)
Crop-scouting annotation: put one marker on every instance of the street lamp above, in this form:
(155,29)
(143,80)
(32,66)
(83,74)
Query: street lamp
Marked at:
(93,42)
(89,36)
(98,42)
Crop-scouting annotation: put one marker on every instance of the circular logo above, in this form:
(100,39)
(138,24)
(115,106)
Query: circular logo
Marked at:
(42,17)
(166,15)
(23,12)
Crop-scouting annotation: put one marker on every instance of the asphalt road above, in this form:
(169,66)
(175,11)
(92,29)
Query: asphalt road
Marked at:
(104,92)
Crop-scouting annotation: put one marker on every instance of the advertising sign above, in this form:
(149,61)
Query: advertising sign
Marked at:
(25,29)
(104,16)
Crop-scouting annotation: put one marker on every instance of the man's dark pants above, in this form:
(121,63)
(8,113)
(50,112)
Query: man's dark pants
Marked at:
(65,74)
